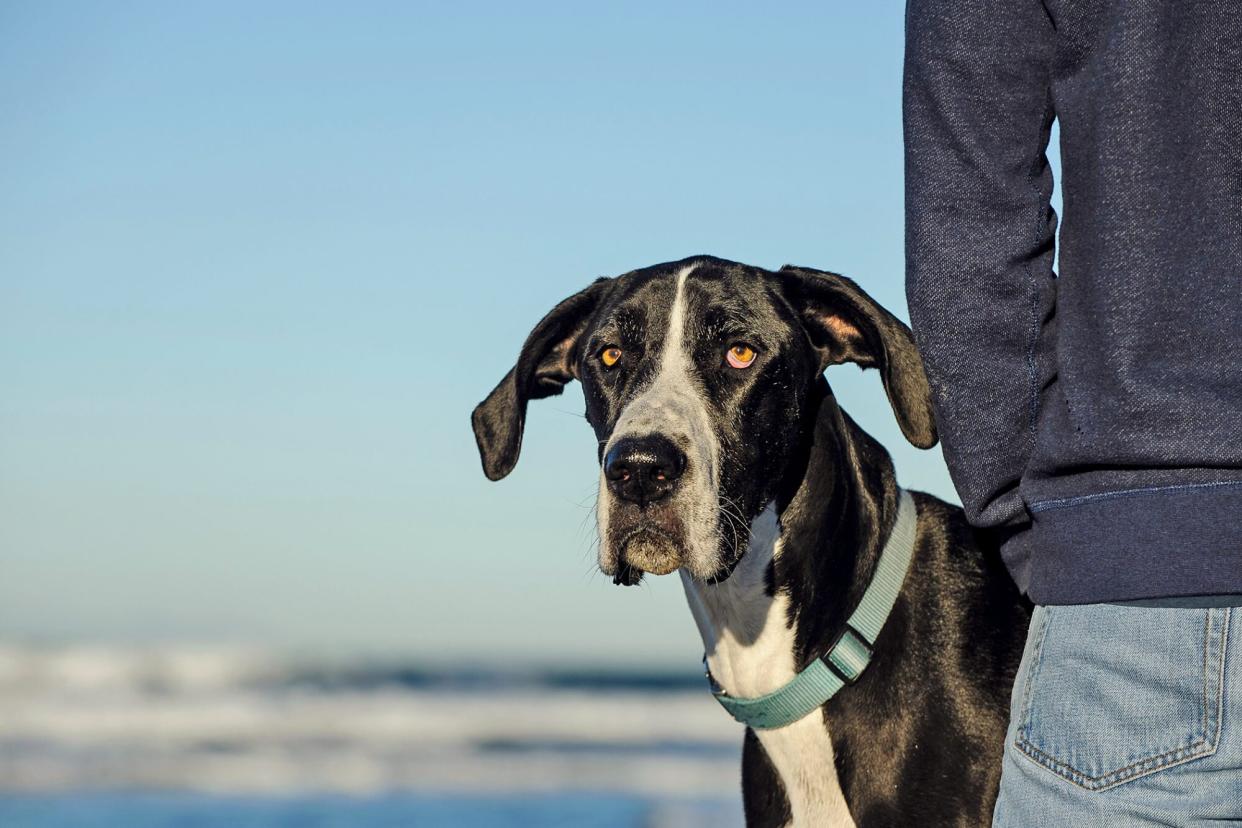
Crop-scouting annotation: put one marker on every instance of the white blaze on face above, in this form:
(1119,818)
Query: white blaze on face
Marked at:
(674,405)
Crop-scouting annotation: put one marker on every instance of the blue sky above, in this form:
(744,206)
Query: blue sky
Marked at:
(258,262)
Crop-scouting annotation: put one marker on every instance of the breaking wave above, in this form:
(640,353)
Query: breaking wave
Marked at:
(233,722)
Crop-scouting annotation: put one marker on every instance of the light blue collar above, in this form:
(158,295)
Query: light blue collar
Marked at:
(849,656)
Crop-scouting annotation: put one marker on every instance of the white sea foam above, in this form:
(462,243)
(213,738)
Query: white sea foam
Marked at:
(234,722)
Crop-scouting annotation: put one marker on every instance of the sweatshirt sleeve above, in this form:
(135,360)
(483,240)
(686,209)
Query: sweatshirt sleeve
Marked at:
(980,234)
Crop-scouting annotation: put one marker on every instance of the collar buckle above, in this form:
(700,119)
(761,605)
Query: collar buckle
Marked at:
(849,655)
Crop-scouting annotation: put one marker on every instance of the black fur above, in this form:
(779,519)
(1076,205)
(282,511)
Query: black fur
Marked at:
(762,794)
(918,738)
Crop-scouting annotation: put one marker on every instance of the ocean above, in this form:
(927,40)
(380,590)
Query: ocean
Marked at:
(203,737)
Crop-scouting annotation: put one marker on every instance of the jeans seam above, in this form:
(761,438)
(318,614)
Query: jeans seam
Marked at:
(1207,667)
(1176,756)
(1036,663)
(1220,674)
(1195,750)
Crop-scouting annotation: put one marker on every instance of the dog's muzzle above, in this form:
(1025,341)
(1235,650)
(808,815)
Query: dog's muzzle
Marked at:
(642,473)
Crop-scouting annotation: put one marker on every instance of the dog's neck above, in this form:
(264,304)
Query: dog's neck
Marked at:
(810,558)
(808,563)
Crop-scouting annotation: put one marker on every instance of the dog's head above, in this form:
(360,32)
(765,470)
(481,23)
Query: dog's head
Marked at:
(700,380)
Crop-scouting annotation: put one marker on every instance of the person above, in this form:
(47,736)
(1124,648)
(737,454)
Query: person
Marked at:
(1091,419)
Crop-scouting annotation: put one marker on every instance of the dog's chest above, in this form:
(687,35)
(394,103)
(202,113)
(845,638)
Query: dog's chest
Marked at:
(750,652)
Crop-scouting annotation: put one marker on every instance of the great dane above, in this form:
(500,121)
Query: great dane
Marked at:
(725,455)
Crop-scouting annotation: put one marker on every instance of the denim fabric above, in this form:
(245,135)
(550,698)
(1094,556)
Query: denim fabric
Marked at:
(1093,417)
(1126,716)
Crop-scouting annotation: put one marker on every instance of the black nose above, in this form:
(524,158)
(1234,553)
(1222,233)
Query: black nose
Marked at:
(643,470)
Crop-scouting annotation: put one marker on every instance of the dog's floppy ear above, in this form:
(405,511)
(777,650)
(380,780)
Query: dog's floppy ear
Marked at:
(847,325)
(546,364)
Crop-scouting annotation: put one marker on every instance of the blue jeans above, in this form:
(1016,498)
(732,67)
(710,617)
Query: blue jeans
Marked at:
(1126,716)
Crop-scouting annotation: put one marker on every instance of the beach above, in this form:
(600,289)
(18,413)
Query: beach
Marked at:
(205,737)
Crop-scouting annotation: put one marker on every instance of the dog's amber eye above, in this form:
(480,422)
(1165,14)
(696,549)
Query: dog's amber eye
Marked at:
(740,356)
(609,356)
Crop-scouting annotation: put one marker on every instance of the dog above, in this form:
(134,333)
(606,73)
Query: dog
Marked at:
(725,455)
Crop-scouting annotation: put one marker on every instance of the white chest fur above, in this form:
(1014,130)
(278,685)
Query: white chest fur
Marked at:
(750,651)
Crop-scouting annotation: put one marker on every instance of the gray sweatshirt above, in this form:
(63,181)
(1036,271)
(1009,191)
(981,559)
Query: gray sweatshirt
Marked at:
(1091,419)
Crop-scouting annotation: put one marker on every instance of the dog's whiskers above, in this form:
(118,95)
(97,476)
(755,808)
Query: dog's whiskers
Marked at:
(570,413)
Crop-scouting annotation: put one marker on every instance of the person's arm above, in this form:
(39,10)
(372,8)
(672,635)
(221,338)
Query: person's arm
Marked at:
(980,235)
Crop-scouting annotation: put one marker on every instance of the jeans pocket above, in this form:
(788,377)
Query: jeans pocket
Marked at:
(1113,693)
